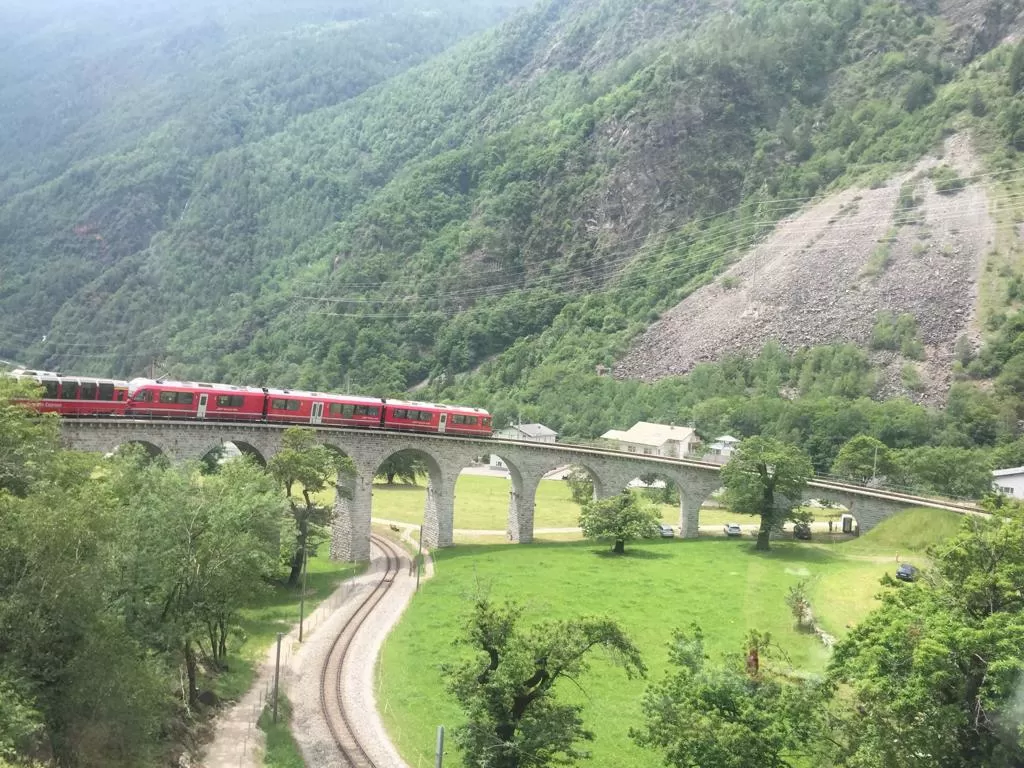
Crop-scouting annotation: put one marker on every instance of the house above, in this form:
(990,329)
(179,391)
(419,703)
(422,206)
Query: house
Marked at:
(655,439)
(721,449)
(536,433)
(1009,482)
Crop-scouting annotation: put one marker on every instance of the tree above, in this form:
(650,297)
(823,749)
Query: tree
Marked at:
(863,459)
(405,465)
(933,676)
(620,519)
(305,464)
(766,477)
(194,550)
(737,714)
(507,689)
(581,486)
(29,442)
(1017,68)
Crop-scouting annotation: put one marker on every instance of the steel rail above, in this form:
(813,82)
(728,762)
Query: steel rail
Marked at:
(335,714)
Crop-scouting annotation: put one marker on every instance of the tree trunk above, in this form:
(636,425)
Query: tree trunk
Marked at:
(300,551)
(764,533)
(391,478)
(620,547)
(190,671)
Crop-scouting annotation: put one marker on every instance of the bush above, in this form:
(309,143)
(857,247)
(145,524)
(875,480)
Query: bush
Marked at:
(946,180)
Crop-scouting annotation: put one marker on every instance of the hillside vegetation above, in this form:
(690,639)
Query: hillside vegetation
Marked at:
(504,219)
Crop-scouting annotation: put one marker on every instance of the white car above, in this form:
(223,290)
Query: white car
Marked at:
(731,529)
(666,531)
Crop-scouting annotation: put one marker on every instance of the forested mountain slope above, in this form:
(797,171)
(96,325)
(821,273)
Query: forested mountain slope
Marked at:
(521,206)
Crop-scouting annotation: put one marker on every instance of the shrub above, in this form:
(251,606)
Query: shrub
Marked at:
(946,180)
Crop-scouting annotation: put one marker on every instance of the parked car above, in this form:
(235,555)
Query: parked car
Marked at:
(802,531)
(731,529)
(666,531)
(906,572)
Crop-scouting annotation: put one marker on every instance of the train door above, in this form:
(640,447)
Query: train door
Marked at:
(442,423)
(316,416)
(203,400)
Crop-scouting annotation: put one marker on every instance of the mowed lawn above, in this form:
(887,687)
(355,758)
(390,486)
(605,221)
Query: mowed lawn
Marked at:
(721,584)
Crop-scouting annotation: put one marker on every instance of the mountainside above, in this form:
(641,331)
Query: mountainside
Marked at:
(506,217)
(839,269)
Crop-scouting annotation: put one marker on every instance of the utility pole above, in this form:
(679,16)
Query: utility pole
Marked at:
(440,747)
(302,593)
(277,672)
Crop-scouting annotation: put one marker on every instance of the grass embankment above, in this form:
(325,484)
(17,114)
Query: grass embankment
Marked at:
(723,585)
(275,611)
(281,751)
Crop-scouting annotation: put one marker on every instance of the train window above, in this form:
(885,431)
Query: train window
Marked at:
(145,396)
(487,421)
(278,404)
(366,410)
(88,391)
(68,390)
(185,398)
(400,413)
(426,416)
(230,401)
(458,418)
(294,405)
(471,420)
(335,409)
(168,397)
(372,410)
(106,391)
(50,389)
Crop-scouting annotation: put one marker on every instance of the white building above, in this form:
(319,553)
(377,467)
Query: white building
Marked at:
(655,439)
(1009,482)
(536,433)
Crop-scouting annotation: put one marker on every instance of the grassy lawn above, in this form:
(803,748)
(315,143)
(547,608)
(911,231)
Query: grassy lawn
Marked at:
(276,611)
(282,751)
(724,585)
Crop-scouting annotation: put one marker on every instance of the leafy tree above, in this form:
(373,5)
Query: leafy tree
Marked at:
(863,459)
(304,464)
(405,465)
(766,478)
(735,714)
(581,486)
(619,519)
(1017,68)
(507,688)
(195,550)
(933,676)
(28,442)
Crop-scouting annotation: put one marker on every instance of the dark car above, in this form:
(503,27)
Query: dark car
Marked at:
(906,572)
(802,531)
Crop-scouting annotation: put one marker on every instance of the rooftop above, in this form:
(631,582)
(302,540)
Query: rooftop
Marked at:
(648,433)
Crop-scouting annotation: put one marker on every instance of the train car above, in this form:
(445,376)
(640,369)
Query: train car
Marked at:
(432,417)
(290,406)
(160,399)
(77,395)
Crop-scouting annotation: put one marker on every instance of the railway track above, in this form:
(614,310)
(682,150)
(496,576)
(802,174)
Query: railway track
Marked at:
(339,720)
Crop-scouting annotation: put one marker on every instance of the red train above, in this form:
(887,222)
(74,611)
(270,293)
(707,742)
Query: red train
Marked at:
(159,399)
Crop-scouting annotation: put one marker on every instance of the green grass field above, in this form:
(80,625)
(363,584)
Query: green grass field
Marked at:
(481,503)
(724,585)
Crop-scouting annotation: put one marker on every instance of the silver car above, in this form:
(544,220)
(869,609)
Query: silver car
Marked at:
(666,531)
(732,529)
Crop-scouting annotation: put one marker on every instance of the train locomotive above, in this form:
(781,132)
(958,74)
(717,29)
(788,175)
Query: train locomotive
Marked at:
(82,396)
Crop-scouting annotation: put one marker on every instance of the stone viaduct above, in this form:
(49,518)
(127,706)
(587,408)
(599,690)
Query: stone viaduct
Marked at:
(445,457)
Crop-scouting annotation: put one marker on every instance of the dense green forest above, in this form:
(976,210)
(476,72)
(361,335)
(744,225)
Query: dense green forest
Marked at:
(281,199)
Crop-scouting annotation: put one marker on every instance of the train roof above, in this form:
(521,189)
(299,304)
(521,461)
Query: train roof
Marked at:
(40,375)
(137,383)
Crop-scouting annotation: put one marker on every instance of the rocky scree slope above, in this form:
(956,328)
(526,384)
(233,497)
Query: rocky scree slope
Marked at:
(825,274)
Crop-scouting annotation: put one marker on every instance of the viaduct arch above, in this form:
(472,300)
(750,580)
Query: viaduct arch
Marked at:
(445,458)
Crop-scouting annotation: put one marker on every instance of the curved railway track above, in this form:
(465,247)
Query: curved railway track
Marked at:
(339,720)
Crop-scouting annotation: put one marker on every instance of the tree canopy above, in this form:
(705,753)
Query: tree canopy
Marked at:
(766,478)
(621,518)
